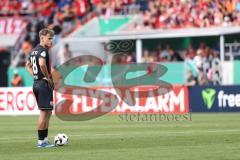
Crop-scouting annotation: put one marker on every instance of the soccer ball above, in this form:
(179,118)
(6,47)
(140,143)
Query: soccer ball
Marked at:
(61,139)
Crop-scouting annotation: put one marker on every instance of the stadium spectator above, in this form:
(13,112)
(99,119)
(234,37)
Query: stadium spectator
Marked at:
(81,7)
(237,8)
(230,6)
(167,54)
(10,8)
(131,58)
(24,51)
(26,47)
(57,30)
(68,19)
(176,56)
(27,7)
(143,5)
(236,50)
(190,52)
(62,3)
(198,59)
(124,59)
(191,80)
(130,7)
(147,57)
(33,35)
(17,80)
(158,52)
(67,53)
(202,77)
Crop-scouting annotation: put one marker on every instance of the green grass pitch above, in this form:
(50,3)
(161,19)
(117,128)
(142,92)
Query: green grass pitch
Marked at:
(207,137)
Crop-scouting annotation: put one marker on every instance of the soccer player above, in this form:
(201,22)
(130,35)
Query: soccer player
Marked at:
(38,66)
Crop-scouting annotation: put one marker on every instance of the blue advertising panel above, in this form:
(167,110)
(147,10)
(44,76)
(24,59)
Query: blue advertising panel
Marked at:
(214,98)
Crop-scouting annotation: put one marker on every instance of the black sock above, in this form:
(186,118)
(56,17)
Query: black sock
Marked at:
(41,134)
(45,133)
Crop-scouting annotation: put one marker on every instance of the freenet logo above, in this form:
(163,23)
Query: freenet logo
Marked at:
(208,96)
(224,100)
(231,100)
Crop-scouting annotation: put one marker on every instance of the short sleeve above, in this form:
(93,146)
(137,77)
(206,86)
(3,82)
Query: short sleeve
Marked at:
(43,54)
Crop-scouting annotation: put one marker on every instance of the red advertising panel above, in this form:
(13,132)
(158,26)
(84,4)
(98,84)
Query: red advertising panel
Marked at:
(17,101)
(21,101)
(174,102)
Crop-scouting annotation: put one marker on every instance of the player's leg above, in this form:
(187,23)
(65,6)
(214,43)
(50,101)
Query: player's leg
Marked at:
(49,113)
(45,99)
(42,126)
(48,117)
(43,122)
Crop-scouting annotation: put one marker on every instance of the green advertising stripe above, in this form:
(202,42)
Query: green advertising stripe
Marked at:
(174,75)
(236,72)
(27,79)
(112,24)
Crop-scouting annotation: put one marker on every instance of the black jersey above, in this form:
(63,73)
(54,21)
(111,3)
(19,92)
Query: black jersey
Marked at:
(38,52)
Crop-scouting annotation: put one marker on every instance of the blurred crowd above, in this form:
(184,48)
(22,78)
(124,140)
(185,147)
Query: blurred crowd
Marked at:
(165,53)
(188,13)
(203,62)
(63,16)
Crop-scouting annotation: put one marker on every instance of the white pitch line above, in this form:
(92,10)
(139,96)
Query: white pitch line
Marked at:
(77,135)
(131,133)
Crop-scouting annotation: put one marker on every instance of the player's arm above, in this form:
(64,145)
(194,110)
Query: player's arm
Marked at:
(43,67)
(28,66)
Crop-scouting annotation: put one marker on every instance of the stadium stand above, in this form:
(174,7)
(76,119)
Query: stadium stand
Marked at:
(63,16)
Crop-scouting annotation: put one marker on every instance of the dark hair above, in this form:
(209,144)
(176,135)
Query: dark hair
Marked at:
(66,45)
(46,31)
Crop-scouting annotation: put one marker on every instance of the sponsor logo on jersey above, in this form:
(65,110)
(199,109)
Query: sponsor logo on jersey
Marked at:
(43,54)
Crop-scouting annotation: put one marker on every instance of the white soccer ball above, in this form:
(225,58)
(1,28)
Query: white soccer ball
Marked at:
(61,139)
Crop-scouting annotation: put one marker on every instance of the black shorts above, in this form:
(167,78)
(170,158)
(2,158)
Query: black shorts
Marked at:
(43,94)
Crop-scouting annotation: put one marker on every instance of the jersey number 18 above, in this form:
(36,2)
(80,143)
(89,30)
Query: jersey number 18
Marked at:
(34,65)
